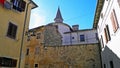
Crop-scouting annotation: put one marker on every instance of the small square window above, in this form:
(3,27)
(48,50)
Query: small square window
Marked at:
(37,50)
(12,30)
(72,37)
(28,38)
(36,65)
(38,35)
(56,26)
(82,38)
(27,53)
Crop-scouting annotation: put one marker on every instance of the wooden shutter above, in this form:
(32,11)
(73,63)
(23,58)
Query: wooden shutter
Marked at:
(105,34)
(108,33)
(114,21)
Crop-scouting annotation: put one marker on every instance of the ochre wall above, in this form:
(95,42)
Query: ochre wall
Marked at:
(10,48)
(78,56)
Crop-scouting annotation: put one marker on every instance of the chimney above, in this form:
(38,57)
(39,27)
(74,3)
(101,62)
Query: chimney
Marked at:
(75,27)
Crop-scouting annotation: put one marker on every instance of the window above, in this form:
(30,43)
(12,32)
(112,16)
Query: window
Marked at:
(28,38)
(56,26)
(96,35)
(36,65)
(114,21)
(27,65)
(37,50)
(72,37)
(107,34)
(19,5)
(27,53)
(111,64)
(33,33)
(118,2)
(104,66)
(7,62)
(38,35)
(12,30)
(101,41)
(82,38)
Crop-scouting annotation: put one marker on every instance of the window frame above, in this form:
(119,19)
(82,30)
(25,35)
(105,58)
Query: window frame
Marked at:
(101,42)
(104,65)
(27,51)
(38,35)
(8,62)
(82,38)
(17,5)
(114,21)
(36,65)
(111,64)
(12,30)
(118,2)
(107,33)
(37,50)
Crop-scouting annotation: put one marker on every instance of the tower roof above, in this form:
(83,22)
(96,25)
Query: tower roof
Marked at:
(58,18)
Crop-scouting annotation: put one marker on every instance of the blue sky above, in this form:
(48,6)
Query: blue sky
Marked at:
(74,12)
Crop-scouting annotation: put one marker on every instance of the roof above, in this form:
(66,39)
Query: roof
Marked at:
(97,13)
(33,29)
(58,17)
(62,24)
(79,31)
(35,5)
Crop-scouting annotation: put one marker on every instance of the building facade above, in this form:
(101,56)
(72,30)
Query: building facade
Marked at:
(14,18)
(71,36)
(57,45)
(107,23)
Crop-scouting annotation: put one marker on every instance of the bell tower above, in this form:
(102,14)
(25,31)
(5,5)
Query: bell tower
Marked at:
(58,18)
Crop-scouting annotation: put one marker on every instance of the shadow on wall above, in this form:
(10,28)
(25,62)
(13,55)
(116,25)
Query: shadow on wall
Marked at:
(109,59)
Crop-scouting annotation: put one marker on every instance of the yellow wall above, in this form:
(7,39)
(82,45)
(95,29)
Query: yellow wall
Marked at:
(10,48)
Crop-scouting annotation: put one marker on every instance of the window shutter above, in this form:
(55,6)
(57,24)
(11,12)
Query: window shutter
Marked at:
(14,31)
(108,32)
(114,21)
(23,5)
(105,34)
(101,41)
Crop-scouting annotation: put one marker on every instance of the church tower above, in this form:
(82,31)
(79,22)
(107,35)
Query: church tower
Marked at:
(58,18)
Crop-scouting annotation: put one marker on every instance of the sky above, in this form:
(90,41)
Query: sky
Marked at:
(74,12)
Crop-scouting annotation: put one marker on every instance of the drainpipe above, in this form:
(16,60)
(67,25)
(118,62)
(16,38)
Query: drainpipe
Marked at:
(23,33)
(70,38)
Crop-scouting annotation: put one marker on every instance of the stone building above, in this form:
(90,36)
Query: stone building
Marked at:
(107,23)
(52,51)
(14,22)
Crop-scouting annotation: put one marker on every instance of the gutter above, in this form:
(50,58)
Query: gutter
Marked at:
(97,12)
(23,33)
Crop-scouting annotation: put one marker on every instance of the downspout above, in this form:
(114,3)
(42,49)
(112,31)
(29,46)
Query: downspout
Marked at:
(23,33)
(77,38)
(70,38)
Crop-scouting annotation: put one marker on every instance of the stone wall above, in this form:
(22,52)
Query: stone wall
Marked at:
(77,56)
(52,36)
(52,54)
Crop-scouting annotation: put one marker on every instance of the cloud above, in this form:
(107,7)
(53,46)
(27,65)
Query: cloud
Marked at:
(38,18)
